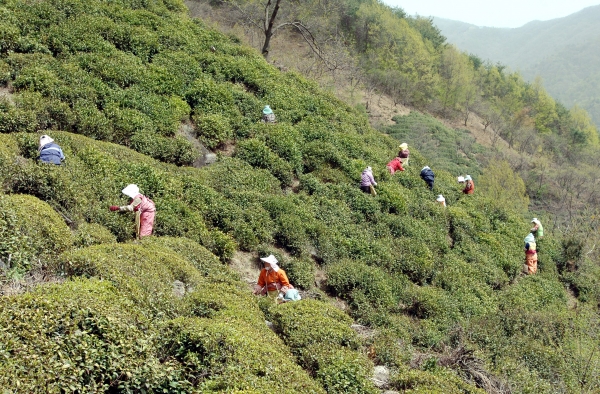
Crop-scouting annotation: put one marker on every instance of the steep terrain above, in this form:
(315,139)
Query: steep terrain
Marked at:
(561,51)
(440,290)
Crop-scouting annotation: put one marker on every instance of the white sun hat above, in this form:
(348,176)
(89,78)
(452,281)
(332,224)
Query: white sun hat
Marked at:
(271,260)
(45,139)
(131,190)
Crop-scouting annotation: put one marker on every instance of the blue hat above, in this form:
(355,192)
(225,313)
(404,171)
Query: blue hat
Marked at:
(267,110)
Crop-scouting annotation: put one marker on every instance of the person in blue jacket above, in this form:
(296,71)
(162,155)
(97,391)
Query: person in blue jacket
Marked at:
(428,176)
(50,152)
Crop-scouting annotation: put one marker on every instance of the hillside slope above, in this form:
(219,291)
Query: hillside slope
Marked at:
(560,51)
(112,82)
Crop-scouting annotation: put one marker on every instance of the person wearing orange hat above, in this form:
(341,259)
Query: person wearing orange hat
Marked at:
(143,207)
(271,279)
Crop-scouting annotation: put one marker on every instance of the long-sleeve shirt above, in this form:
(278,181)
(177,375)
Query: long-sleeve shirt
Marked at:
(395,165)
(403,154)
(273,280)
(51,153)
(366,179)
(144,209)
(538,230)
(269,118)
(469,187)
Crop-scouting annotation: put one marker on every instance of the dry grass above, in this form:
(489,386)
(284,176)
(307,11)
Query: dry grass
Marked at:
(16,286)
(467,365)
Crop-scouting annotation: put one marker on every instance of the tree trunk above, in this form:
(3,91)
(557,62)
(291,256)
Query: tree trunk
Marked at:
(268,27)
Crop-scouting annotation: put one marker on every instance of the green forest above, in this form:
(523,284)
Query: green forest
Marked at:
(119,84)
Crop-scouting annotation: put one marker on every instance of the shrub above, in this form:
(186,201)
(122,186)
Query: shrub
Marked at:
(438,382)
(213,129)
(30,230)
(414,259)
(89,234)
(259,155)
(145,275)
(103,340)
(222,357)
(346,276)
(340,370)
(300,272)
(391,348)
(309,321)
(175,150)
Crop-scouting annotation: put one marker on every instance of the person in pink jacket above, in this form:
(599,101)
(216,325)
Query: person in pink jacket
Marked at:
(143,207)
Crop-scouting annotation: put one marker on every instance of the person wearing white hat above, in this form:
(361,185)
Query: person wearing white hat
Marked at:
(50,152)
(143,207)
(367,181)
(537,229)
(469,185)
(268,115)
(441,200)
(403,153)
(272,279)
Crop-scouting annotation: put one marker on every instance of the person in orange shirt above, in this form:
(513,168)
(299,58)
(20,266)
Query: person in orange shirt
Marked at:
(272,279)
(469,185)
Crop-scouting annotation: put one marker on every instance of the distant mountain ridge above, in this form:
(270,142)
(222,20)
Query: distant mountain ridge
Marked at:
(563,51)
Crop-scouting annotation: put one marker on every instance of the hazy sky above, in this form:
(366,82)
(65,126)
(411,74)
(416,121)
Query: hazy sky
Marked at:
(493,13)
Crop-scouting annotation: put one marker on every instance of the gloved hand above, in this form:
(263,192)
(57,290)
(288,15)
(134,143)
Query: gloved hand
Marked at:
(113,208)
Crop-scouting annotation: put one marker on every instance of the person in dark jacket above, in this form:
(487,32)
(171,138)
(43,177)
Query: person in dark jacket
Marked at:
(49,151)
(428,176)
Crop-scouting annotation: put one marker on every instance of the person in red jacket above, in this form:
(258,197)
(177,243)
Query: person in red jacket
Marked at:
(395,165)
(272,279)
(469,185)
(143,207)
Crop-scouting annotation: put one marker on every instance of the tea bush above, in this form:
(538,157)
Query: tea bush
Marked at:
(340,370)
(31,232)
(300,272)
(96,73)
(82,336)
(440,381)
(347,276)
(334,361)
(219,357)
(88,234)
(303,323)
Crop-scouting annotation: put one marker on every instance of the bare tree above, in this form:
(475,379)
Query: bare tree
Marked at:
(271,16)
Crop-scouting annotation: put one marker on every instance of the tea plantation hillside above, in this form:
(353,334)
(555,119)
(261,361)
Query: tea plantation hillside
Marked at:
(112,82)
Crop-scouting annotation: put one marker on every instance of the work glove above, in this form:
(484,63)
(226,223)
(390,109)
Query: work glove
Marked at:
(113,208)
